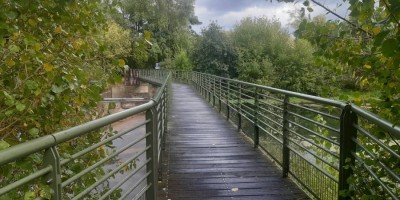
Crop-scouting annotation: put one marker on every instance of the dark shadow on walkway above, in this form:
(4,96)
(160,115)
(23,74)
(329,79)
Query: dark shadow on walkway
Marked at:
(208,159)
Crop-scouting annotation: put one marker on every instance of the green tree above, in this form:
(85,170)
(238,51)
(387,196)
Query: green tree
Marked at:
(169,24)
(367,44)
(213,53)
(268,55)
(182,61)
(56,59)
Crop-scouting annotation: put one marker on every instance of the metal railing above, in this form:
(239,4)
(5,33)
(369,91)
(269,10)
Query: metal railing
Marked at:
(333,149)
(144,154)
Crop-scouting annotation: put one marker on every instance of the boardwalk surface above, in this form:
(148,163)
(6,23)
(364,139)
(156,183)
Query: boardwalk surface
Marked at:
(208,159)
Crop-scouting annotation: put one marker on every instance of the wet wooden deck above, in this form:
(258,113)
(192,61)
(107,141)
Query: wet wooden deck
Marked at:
(206,158)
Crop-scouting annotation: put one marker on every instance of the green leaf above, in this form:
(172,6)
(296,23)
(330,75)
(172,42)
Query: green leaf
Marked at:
(389,47)
(31,85)
(29,196)
(9,112)
(45,191)
(4,145)
(14,48)
(112,105)
(147,35)
(306,3)
(20,107)
(310,9)
(56,89)
(11,14)
(34,132)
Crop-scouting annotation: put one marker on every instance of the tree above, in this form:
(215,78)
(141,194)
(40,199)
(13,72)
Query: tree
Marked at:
(56,59)
(167,22)
(214,53)
(268,55)
(367,43)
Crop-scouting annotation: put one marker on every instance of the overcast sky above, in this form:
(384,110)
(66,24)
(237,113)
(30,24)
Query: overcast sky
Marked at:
(229,12)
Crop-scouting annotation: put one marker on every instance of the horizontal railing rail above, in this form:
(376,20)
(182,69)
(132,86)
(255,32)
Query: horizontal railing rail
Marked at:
(333,149)
(57,173)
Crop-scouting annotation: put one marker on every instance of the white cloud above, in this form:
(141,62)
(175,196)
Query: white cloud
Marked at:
(227,18)
(281,13)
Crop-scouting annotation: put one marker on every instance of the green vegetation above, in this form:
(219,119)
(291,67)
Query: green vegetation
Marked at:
(164,24)
(57,57)
(214,53)
(353,59)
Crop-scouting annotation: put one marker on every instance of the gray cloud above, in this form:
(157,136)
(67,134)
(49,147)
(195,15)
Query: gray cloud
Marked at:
(222,6)
(229,12)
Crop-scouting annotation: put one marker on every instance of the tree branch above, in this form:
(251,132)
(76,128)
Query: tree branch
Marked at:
(391,13)
(342,18)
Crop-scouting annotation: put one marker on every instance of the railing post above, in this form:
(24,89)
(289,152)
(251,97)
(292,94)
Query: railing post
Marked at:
(209,88)
(347,146)
(202,84)
(164,107)
(227,102)
(214,92)
(256,136)
(285,135)
(52,158)
(239,112)
(220,96)
(152,154)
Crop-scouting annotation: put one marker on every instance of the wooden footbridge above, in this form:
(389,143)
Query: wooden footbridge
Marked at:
(209,159)
(208,137)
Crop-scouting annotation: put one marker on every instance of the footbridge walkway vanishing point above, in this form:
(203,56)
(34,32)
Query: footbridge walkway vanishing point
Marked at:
(209,137)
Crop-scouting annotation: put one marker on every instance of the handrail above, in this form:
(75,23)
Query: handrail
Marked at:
(155,123)
(387,126)
(285,92)
(287,130)
(14,152)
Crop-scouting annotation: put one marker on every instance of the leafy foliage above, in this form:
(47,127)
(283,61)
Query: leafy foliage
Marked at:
(168,24)
(214,53)
(366,47)
(56,59)
(268,55)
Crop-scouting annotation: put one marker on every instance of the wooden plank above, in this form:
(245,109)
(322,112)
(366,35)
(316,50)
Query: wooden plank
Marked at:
(208,158)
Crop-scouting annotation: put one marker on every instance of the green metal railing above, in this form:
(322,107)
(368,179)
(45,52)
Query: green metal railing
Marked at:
(54,171)
(333,149)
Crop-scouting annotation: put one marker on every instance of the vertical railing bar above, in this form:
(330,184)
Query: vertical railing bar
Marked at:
(227,101)
(285,141)
(220,96)
(209,88)
(152,153)
(239,112)
(256,134)
(347,146)
(213,91)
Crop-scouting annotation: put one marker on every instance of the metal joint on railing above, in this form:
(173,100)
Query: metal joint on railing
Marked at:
(52,158)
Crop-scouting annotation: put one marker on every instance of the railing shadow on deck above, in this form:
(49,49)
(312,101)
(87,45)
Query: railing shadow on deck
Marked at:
(332,149)
(53,176)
